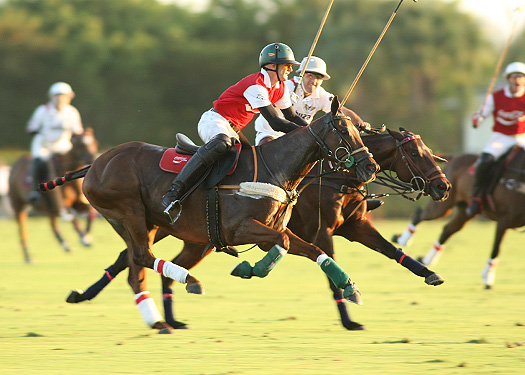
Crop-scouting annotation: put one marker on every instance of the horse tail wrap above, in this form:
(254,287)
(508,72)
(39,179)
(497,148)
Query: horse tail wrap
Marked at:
(79,173)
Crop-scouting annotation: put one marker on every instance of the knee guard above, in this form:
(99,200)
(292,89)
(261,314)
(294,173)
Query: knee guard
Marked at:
(214,149)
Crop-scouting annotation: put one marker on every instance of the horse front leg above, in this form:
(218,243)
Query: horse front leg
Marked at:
(326,242)
(335,273)
(364,232)
(21,218)
(489,271)
(433,211)
(457,222)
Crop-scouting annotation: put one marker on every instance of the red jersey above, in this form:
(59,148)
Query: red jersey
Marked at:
(239,103)
(506,113)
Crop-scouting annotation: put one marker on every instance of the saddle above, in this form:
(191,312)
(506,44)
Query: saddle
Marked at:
(174,159)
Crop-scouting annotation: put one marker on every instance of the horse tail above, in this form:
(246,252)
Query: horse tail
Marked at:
(79,173)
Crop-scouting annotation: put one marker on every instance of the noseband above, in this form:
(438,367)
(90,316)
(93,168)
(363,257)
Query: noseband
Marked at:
(423,179)
(343,155)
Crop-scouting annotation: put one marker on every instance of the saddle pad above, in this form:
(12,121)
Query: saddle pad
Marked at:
(172,161)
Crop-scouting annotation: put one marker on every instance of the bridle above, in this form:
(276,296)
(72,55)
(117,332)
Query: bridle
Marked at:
(343,155)
(420,181)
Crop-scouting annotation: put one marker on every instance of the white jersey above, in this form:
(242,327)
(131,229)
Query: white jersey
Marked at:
(305,107)
(53,129)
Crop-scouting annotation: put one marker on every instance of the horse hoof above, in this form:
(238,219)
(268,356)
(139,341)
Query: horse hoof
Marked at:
(165,331)
(86,241)
(75,296)
(243,270)
(488,287)
(352,294)
(175,324)
(354,326)
(434,279)
(395,237)
(195,288)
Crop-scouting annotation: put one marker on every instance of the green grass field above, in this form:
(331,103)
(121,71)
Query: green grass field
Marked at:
(284,324)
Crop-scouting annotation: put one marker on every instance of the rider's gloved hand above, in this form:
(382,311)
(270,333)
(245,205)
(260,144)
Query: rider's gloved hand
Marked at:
(364,126)
(477,118)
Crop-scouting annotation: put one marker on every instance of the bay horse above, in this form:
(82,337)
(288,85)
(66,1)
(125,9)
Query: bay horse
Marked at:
(339,201)
(505,205)
(84,150)
(126,187)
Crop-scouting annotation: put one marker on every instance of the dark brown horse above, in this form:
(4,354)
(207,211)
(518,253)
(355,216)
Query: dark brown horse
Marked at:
(505,205)
(69,197)
(126,187)
(340,204)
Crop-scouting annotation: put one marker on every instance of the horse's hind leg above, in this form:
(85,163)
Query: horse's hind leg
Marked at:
(188,258)
(58,235)
(76,296)
(489,271)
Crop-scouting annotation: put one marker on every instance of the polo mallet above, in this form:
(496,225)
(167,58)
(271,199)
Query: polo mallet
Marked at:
(371,53)
(502,57)
(312,48)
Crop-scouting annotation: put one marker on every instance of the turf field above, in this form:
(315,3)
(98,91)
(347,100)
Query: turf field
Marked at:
(284,324)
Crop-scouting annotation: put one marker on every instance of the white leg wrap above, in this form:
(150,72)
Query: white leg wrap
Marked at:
(433,254)
(405,238)
(148,309)
(321,258)
(171,270)
(489,272)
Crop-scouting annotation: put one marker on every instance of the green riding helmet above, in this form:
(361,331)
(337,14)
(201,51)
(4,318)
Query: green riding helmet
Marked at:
(277,53)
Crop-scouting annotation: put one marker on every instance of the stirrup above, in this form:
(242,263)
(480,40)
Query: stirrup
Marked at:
(167,211)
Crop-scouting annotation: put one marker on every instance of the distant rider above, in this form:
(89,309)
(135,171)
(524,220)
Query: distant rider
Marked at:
(507,107)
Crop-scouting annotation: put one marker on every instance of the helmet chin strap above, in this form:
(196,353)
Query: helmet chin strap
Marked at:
(273,70)
(304,88)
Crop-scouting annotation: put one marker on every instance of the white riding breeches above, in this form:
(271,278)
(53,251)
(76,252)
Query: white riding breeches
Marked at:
(501,143)
(211,124)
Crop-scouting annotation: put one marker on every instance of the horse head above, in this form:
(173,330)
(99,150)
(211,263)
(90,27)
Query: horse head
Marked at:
(84,150)
(341,143)
(415,163)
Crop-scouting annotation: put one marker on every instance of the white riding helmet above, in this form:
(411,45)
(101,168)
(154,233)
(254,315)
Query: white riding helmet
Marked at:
(515,67)
(59,88)
(315,65)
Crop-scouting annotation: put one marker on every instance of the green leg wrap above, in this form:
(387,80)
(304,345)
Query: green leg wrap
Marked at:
(339,277)
(266,264)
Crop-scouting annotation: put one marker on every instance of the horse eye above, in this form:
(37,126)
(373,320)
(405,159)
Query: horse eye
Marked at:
(415,153)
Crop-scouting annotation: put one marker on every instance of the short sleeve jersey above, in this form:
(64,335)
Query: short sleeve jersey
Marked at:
(239,103)
(307,107)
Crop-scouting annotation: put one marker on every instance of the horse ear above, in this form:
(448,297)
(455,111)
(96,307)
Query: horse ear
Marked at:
(401,129)
(393,133)
(335,105)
